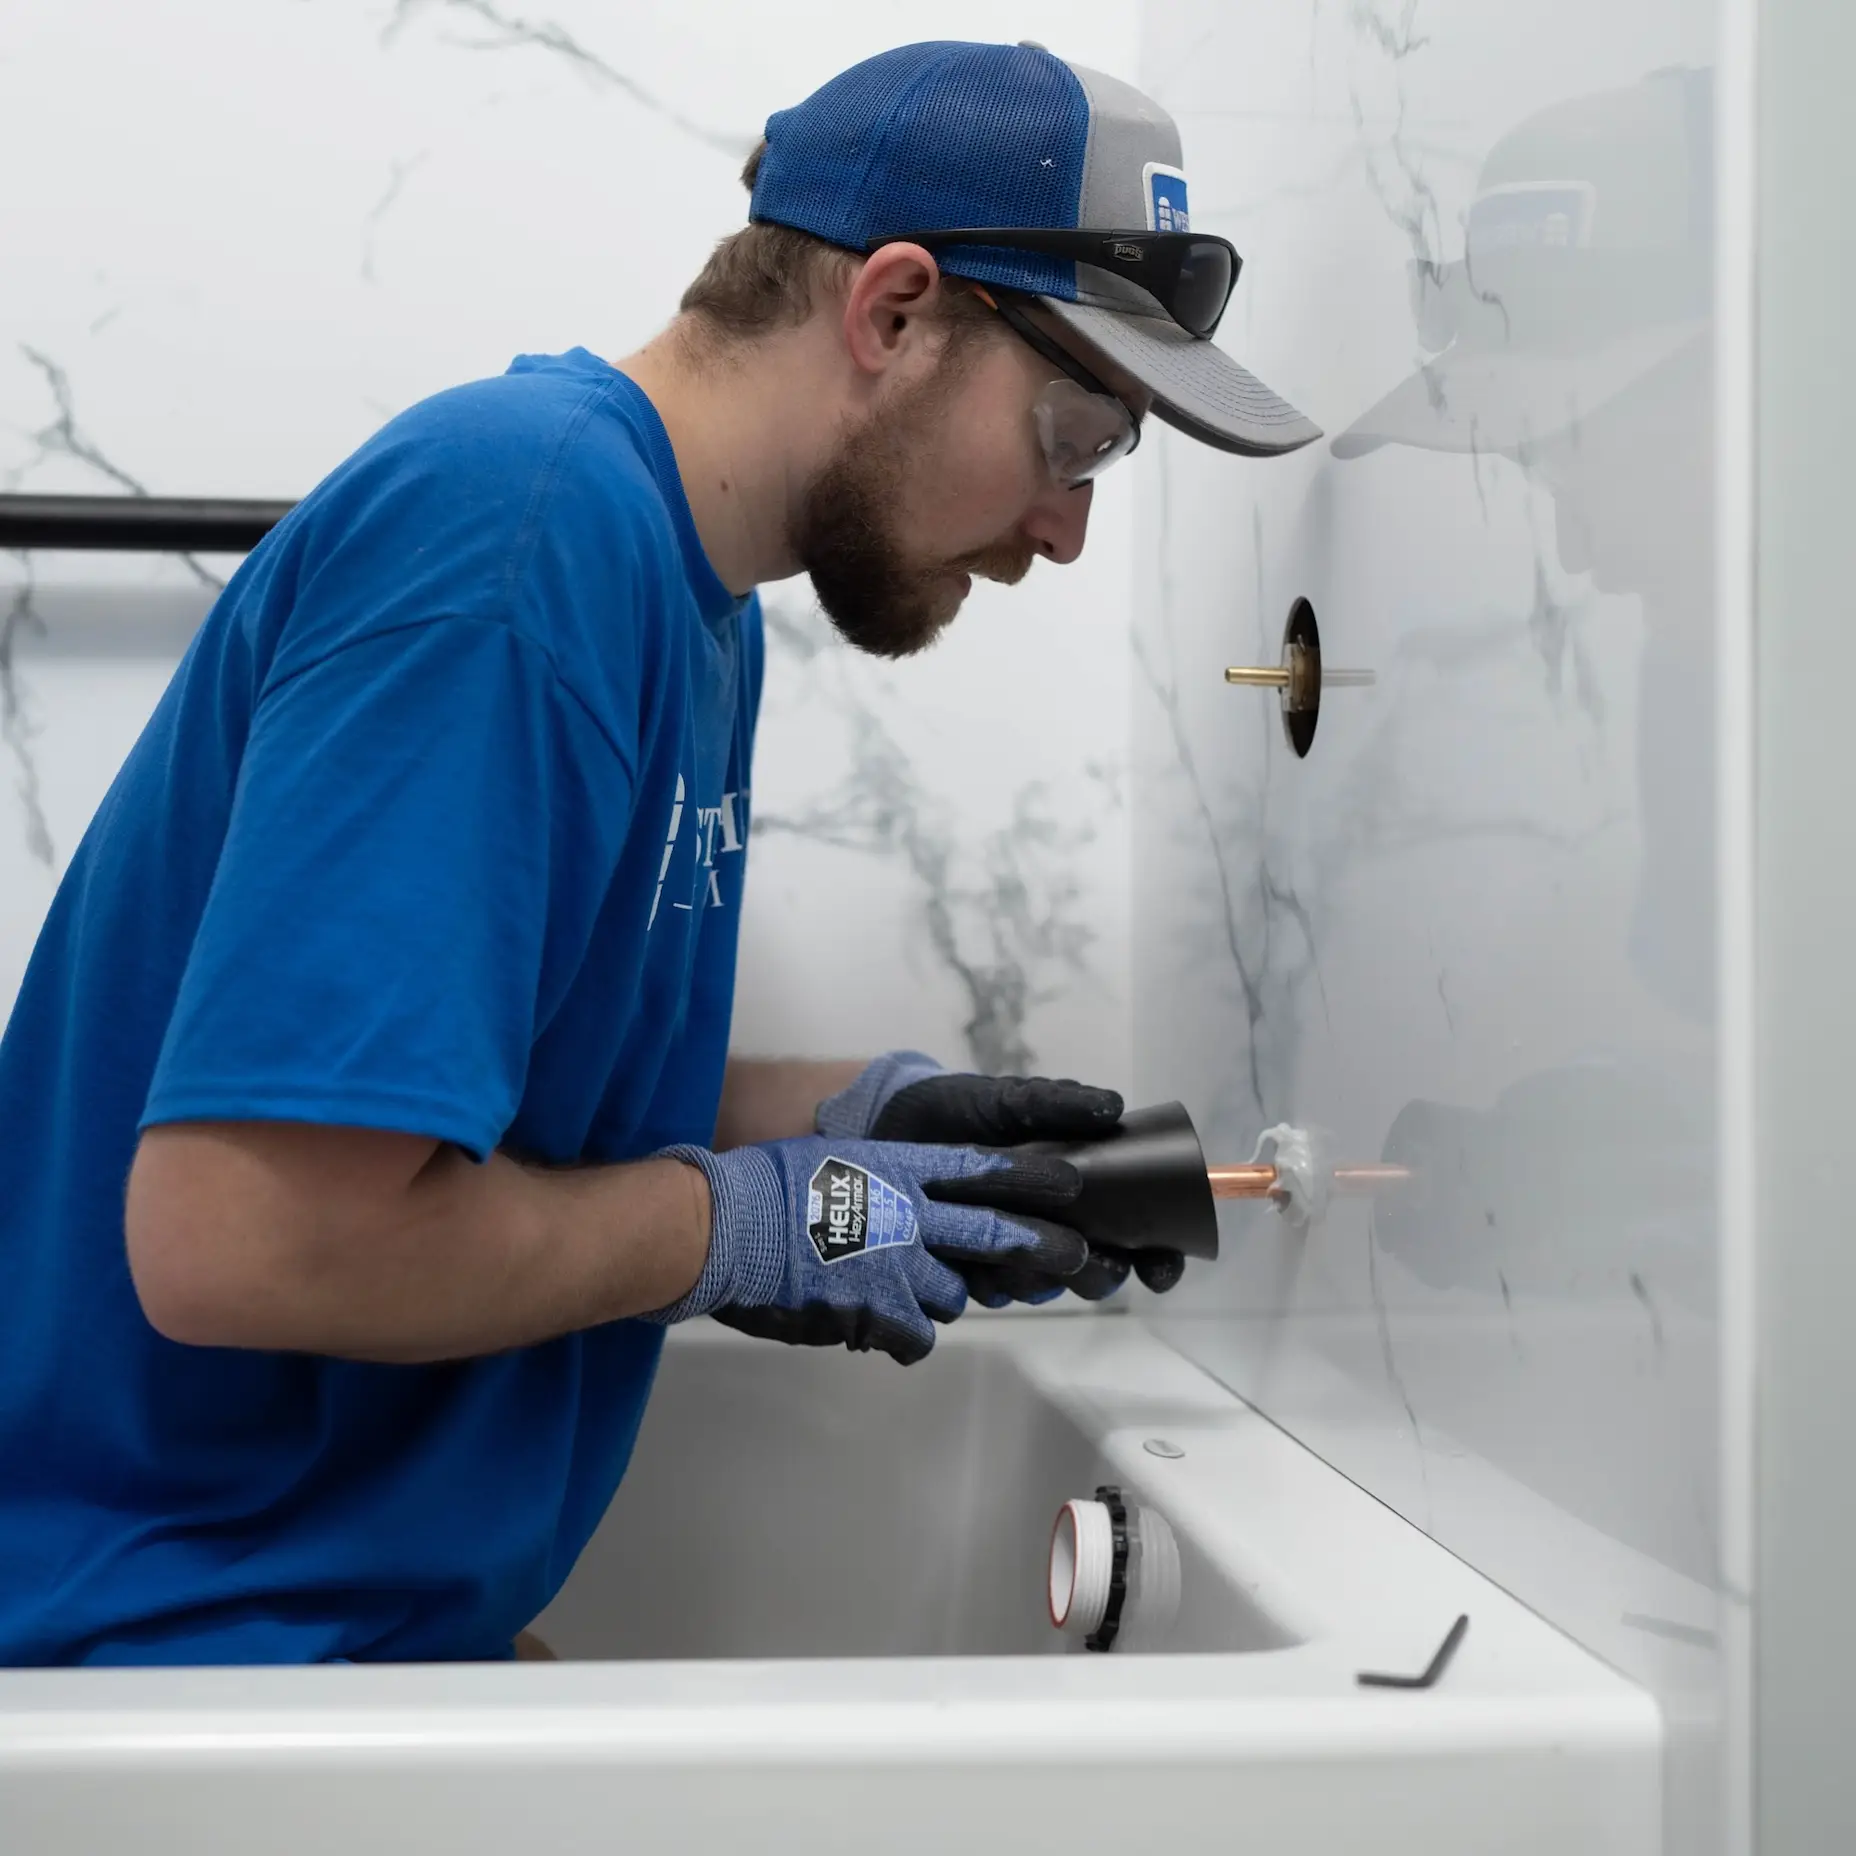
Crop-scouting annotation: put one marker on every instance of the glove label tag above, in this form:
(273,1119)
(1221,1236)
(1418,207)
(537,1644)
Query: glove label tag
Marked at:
(849,1211)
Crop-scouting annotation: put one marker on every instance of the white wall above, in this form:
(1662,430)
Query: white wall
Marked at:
(239,234)
(1474,931)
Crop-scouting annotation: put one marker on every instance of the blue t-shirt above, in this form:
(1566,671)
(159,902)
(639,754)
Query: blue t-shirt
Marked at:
(440,827)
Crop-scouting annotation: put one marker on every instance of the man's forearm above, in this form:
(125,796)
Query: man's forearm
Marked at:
(505,1255)
(775,1098)
(371,1247)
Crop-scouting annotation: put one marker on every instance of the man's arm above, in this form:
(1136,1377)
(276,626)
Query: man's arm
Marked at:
(390,1247)
(775,1098)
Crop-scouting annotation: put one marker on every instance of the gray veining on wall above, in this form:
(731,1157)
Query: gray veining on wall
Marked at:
(1002,911)
(401,171)
(17,725)
(1471,934)
(61,440)
(62,437)
(1274,889)
(1393,28)
(491,28)
(516,176)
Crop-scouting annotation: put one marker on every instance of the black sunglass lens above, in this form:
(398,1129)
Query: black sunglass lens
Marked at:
(1204,287)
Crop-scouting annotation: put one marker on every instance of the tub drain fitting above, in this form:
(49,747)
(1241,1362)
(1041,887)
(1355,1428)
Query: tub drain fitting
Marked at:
(1114,1572)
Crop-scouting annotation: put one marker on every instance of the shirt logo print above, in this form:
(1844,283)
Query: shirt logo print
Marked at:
(670,848)
(721,831)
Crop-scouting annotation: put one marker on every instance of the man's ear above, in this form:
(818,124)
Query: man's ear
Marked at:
(891,302)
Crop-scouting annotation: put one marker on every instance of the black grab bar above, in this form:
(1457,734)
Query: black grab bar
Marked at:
(138,524)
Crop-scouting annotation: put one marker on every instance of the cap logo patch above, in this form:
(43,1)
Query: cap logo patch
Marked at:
(1164,189)
(1531,216)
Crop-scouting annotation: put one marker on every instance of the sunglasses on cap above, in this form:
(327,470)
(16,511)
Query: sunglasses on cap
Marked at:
(1082,425)
(1190,274)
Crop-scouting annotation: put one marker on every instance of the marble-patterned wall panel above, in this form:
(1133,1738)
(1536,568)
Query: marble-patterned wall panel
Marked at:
(1471,934)
(239,234)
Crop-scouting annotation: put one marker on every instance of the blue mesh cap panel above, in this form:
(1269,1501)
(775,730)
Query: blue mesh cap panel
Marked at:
(942,134)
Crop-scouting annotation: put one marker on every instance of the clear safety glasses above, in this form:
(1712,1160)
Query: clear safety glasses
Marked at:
(1082,426)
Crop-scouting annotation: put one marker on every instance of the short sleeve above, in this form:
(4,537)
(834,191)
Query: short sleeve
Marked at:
(422,830)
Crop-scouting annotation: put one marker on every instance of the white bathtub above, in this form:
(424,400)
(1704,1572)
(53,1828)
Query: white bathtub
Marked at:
(815,1620)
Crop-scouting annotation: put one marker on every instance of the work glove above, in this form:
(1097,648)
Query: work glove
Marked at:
(823,1242)
(906,1096)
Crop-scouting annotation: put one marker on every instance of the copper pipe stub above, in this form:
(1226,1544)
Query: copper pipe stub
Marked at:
(1370,1178)
(1242,1182)
(1260,1182)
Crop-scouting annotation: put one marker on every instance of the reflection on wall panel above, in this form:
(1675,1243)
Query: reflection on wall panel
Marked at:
(1472,932)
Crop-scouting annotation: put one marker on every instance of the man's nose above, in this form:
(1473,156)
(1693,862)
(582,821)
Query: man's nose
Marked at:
(1058,523)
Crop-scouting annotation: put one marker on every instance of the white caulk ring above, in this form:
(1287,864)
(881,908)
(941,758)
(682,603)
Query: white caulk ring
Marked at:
(1082,1560)
(1302,1183)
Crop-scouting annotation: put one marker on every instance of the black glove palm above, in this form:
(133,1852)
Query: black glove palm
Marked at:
(1006,1112)
(996,1111)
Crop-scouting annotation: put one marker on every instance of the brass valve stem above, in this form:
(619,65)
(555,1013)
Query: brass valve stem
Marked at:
(1299,678)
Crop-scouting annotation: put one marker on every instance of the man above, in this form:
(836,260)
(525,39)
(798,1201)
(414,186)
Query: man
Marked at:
(394,975)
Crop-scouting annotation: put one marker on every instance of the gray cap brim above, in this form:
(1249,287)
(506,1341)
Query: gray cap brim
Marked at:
(1197,387)
(1506,399)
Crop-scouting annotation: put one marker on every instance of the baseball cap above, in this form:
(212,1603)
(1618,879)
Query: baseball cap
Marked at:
(950,134)
(1588,261)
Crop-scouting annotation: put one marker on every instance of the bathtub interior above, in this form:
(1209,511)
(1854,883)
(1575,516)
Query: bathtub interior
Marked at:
(791,1502)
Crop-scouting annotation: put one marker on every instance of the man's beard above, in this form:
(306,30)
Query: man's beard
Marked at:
(879,599)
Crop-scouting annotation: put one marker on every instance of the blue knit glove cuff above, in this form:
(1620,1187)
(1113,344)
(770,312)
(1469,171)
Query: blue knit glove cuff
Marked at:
(745,1239)
(852,1112)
